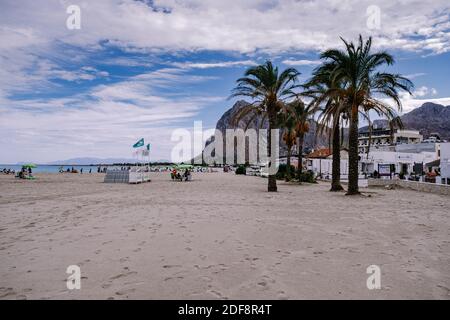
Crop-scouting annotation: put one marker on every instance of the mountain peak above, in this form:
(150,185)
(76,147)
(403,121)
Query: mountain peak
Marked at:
(428,118)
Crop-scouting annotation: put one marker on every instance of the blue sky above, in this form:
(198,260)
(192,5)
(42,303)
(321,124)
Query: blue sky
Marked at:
(145,68)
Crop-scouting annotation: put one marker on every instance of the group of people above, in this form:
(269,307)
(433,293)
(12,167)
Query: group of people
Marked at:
(25,173)
(73,170)
(8,171)
(176,175)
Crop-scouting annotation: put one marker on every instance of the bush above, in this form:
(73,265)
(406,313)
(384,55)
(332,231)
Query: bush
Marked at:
(307,176)
(240,170)
(282,170)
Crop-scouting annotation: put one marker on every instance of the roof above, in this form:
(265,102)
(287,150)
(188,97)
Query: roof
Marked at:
(435,163)
(320,153)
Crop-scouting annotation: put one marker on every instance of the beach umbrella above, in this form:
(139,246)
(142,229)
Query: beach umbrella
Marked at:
(29,165)
(184,166)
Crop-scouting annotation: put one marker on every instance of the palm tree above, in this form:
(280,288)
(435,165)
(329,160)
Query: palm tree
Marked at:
(268,89)
(288,122)
(363,87)
(331,116)
(303,116)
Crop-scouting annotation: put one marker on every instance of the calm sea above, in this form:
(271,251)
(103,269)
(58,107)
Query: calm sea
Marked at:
(50,168)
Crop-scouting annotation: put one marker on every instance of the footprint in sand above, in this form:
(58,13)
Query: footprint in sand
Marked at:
(125,292)
(168,266)
(281,295)
(5,292)
(173,278)
(106,285)
(121,275)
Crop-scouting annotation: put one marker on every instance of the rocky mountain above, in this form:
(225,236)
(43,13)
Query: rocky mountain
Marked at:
(428,118)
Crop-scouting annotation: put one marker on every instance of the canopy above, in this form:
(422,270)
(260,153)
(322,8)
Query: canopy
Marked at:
(184,166)
(29,165)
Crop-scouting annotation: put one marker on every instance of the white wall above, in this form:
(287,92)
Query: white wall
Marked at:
(445,160)
(399,158)
(325,166)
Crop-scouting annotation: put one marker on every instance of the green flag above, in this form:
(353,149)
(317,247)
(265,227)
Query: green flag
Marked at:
(138,144)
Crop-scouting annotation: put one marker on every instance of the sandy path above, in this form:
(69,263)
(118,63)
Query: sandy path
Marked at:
(220,236)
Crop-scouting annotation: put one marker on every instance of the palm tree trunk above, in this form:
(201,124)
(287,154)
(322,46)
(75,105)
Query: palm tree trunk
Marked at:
(288,164)
(353,153)
(336,166)
(272,183)
(300,155)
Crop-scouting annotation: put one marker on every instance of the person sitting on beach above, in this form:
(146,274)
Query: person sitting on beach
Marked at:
(173,174)
(186,175)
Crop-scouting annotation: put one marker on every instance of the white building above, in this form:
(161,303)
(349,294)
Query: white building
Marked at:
(381,138)
(321,163)
(401,162)
(445,162)
(384,162)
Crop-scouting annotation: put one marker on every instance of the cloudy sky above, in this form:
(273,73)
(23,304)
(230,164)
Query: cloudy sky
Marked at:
(145,68)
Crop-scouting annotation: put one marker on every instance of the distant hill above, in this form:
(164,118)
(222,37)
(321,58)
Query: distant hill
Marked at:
(88,161)
(429,118)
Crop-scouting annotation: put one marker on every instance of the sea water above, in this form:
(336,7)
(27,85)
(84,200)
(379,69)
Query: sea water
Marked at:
(50,168)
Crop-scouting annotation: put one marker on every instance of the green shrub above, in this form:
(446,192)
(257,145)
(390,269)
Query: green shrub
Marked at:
(240,170)
(307,176)
(282,170)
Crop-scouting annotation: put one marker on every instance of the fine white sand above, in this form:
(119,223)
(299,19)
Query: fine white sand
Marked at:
(219,236)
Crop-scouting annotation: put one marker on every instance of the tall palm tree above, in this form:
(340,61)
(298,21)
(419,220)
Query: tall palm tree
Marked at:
(268,88)
(303,116)
(356,68)
(288,122)
(330,117)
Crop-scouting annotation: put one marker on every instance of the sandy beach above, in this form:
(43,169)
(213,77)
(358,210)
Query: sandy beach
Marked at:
(220,236)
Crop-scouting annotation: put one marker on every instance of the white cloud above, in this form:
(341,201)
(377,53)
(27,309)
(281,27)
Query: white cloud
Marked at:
(243,26)
(102,122)
(206,65)
(291,62)
(33,29)
(424,91)
(410,102)
(415,75)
